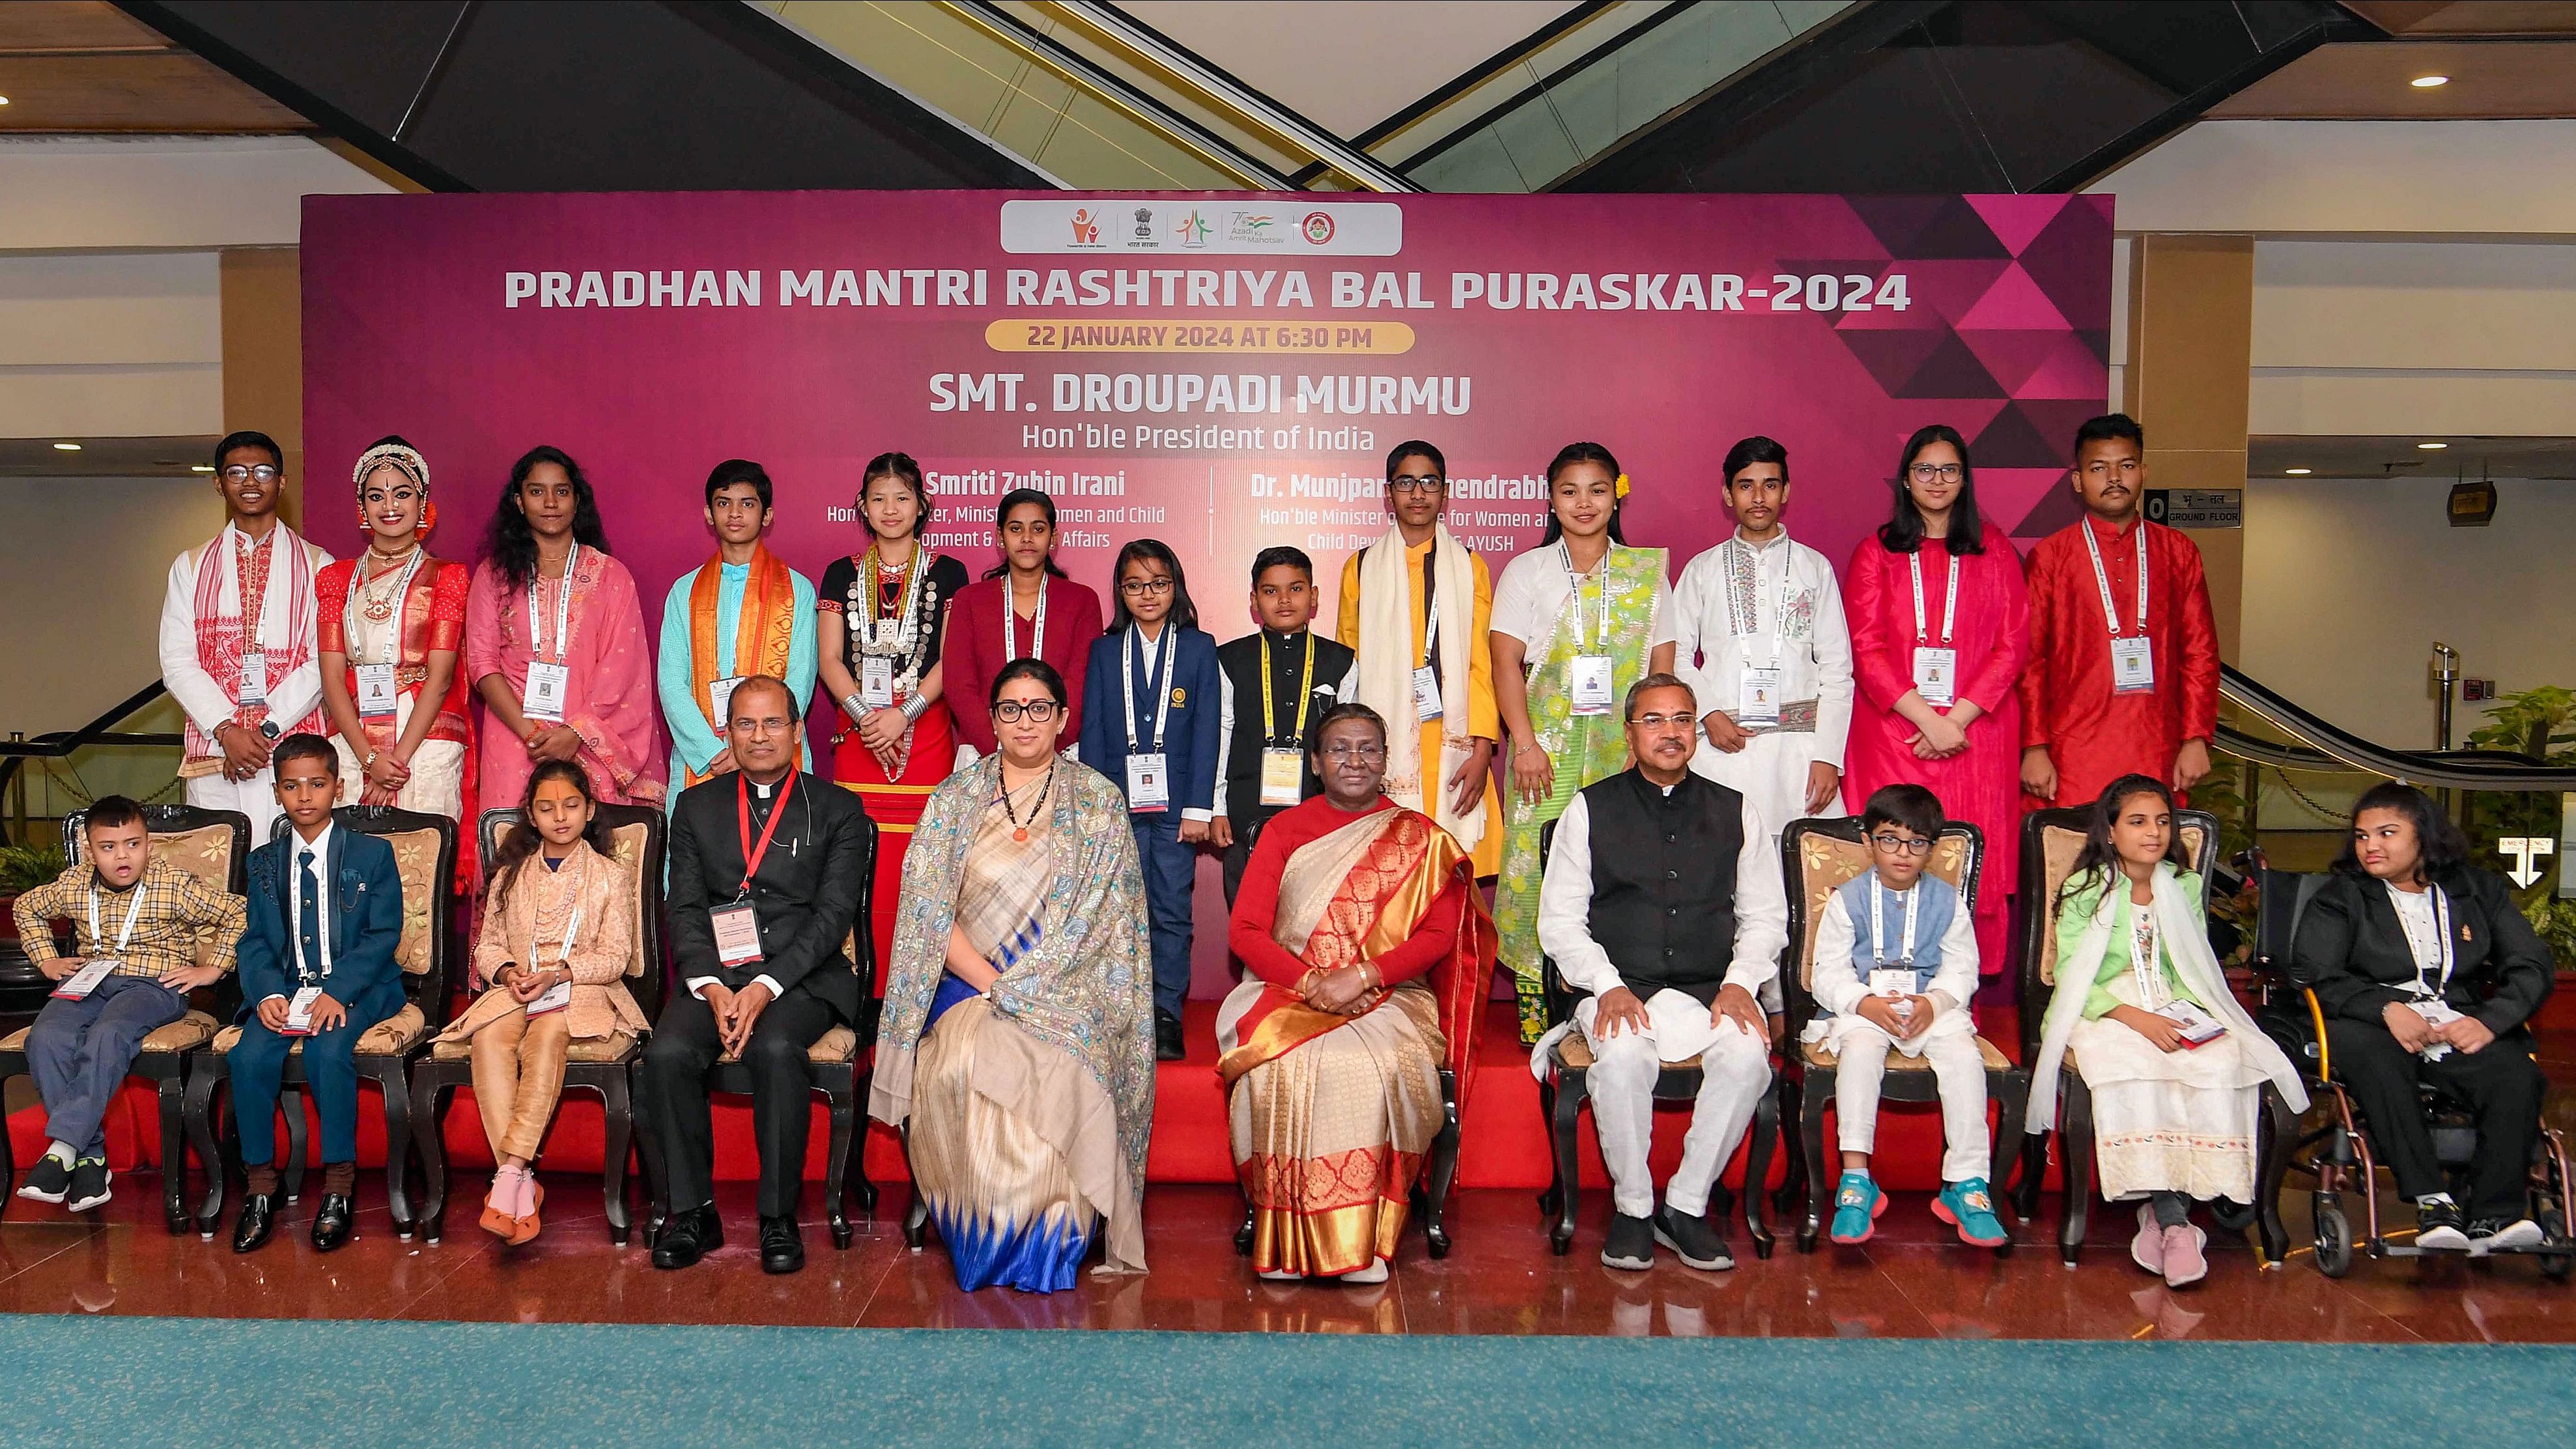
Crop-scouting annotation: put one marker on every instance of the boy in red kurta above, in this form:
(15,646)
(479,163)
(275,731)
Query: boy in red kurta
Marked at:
(2123,673)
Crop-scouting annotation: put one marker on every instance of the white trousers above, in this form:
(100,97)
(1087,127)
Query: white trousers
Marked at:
(1735,1071)
(1771,772)
(1958,1072)
(255,797)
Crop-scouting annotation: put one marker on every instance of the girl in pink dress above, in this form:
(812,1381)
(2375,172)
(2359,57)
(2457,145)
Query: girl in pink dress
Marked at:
(1940,630)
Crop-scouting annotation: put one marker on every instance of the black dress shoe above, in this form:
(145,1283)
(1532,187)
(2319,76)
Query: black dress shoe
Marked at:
(687,1237)
(332,1223)
(781,1250)
(258,1216)
(1167,1037)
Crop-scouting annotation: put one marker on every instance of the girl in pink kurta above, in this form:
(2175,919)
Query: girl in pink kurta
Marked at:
(1938,701)
(546,539)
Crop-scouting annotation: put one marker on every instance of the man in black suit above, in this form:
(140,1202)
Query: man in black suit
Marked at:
(766,867)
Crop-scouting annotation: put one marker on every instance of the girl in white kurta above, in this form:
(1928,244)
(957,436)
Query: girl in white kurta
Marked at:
(2173,1122)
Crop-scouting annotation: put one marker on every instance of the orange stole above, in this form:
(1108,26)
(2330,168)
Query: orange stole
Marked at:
(764,630)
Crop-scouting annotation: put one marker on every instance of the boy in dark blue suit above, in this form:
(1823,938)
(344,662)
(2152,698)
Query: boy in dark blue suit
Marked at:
(1150,723)
(317,966)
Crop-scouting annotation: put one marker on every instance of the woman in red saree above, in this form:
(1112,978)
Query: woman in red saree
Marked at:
(389,626)
(1370,951)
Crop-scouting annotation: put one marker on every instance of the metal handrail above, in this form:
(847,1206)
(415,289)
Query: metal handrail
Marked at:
(57,744)
(2339,749)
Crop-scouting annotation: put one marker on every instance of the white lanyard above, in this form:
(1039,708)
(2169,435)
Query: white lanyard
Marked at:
(1574,586)
(572,928)
(1156,673)
(1949,598)
(2442,950)
(124,933)
(563,610)
(358,582)
(1788,596)
(1010,620)
(2102,579)
(2144,953)
(1878,924)
(1431,630)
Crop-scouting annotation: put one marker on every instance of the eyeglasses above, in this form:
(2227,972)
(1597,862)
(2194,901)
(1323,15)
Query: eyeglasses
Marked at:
(1365,754)
(1910,845)
(240,474)
(745,724)
(1141,588)
(1036,711)
(1663,721)
(1416,483)
(1927,472)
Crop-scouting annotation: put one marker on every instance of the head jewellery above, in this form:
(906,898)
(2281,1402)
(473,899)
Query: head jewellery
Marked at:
(408,462)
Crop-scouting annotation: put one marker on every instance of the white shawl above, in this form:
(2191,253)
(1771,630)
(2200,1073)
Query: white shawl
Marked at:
(1386,673)
(2186,938)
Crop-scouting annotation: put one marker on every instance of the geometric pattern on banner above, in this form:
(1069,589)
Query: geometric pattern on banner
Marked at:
(2008,497)
(1951,371)
(2014,302)
(2014,440)
(2015,220)
(2064,260)
(1892,358)
(2055,509)
(2072,368)
(1897,220)
(2014,357)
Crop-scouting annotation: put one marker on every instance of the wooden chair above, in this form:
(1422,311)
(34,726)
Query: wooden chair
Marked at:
(1562,1091)
(425,858)
(1820,857)
(637,837)
(840,1063)
(2050,842)
(214,846)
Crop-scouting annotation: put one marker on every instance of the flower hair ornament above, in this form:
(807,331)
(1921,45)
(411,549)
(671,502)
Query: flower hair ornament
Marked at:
(406,461)
(1618,488)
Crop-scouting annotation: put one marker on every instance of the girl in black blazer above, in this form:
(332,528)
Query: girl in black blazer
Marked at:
(2427,973)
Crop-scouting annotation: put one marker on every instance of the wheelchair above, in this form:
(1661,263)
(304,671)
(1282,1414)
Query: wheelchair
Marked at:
(2337,1155)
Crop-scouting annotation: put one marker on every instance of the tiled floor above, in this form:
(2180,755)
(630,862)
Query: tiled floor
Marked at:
(1913,1280)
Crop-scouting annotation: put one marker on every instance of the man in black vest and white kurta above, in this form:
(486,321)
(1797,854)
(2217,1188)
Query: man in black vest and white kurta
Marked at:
(1662,900)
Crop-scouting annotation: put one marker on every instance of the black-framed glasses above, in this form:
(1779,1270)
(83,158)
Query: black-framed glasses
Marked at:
(1929,472)
(1144,588)
(1664,721)
(1036,711)
(1365,754)
(1909,844)
(1416,483)
(241,473)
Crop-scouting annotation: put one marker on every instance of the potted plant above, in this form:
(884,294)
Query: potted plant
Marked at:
(2541,725)
(22,869)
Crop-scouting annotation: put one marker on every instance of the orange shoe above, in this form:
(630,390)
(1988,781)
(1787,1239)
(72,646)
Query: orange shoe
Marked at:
(525,1229)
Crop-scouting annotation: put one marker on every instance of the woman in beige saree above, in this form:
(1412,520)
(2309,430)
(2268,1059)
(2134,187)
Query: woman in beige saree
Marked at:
(1369,949)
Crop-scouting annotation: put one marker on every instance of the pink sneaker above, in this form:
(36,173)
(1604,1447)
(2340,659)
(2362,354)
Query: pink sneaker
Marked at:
(2147,1249)
(2184,1264)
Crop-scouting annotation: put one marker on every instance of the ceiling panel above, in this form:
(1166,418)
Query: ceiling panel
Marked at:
(2550,459)
(2468,17)
(2489,80)
(73,25)
(157,92)
(106,457)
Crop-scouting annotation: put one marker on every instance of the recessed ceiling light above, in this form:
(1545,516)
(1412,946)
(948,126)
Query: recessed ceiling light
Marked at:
(201,467)
(4,100)
(66,447)
(2427,447)
(2298,472)
(2427,82)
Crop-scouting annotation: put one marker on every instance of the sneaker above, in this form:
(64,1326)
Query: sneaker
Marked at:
(89,1184)
(2147,1249)
(48,1181)
(1631,1244)
(1695,1239)
(1969,1207)
(1858,1205)
(2500,1235)
(2438,1228)
(2184,1262)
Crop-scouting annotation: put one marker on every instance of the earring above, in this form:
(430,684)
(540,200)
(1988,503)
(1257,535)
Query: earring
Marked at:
(428,519)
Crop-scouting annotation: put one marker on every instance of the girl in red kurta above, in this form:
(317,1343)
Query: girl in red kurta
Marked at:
(1024,606)
(1948,721)
(389,625)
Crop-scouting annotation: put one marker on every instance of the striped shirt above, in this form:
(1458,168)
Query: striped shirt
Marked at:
(180,920)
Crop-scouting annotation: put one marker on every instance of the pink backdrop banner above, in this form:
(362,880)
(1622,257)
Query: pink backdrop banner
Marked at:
(1222,371)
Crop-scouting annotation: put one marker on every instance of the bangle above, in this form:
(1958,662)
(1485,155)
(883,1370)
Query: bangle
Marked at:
(914,707)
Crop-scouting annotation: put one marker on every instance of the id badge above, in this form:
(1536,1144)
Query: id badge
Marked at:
(2198,1026)
(1936,675)
(553,998)
(1892,981)
(84,981)
(254,677)
(720,699)
(548,684)
(1283,777)
(1757,699)
(299,1011)
(1426,694)
(375,691)
(1149,788)
(1589,679)
(737,934)
(876,682)
(2133,666)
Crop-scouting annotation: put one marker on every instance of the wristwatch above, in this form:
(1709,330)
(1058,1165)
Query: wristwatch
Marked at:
(268,729)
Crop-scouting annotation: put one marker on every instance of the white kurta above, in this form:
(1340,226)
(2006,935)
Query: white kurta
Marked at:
(1792,620)
(206,703)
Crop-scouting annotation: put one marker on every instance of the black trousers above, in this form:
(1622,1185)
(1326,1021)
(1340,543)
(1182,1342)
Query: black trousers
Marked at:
(2500,1083)
(672,1097)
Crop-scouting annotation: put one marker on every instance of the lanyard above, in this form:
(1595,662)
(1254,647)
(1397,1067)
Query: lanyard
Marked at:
(1788,596)
(1010,622)
(1949,598)
(752,854)
(1157,669)
(1305,692)
(2442,950)
(572,928)
(2102,579)
(125,932)
(1430,613)
(1574,586)
(1878,926)
(2144,953)
(358,582)
(251,563)
(563,610)
(899,630)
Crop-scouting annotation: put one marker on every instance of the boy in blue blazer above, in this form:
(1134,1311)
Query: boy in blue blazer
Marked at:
(1149,722)
(317,967)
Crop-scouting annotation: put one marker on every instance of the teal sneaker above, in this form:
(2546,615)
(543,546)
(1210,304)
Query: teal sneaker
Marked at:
(1857,1205)
(1970,1207)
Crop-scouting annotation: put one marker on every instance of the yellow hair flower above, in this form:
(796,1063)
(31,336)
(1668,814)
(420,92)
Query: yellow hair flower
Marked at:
(1619,487)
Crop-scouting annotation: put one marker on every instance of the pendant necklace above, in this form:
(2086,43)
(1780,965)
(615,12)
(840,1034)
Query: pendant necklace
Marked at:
(1020,832)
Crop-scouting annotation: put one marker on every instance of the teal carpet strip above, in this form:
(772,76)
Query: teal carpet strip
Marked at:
(129,1382)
